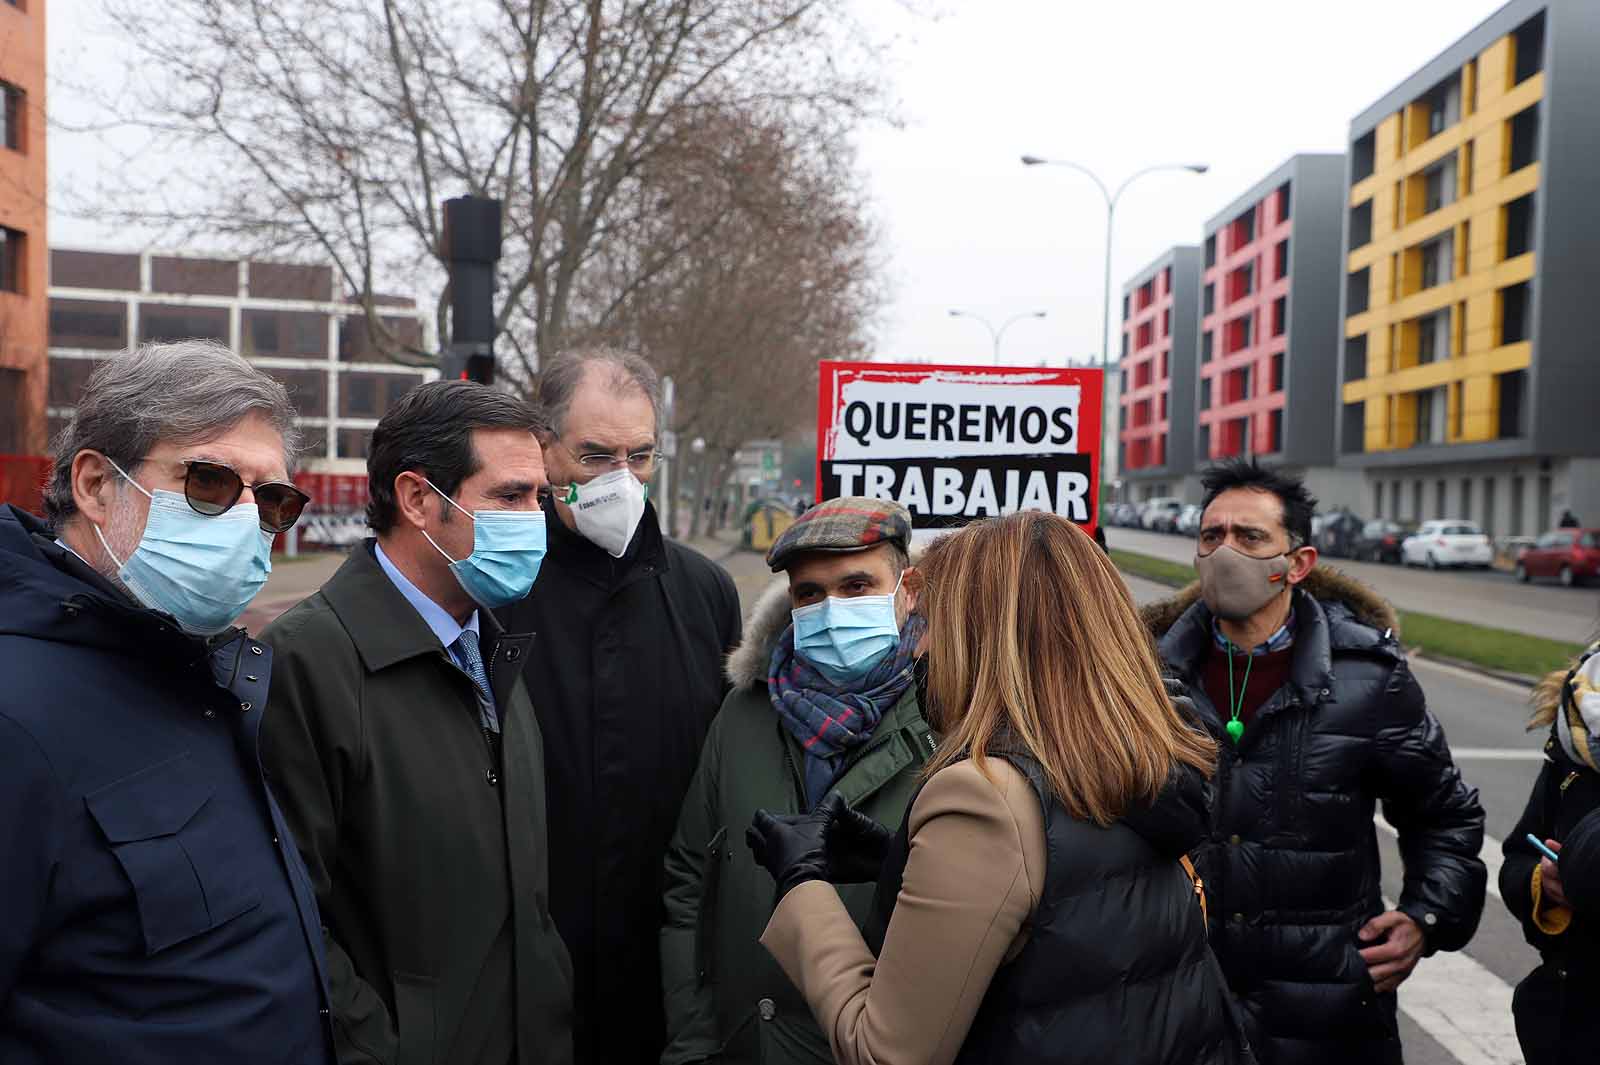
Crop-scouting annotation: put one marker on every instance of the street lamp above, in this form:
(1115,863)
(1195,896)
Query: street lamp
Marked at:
(996,334)
(1109,461)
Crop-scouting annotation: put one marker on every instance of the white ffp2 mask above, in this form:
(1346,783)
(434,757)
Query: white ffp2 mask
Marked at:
(607,510)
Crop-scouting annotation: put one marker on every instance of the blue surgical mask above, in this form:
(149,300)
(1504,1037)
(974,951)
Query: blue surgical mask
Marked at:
(202,570)
(844,638)
(507,550)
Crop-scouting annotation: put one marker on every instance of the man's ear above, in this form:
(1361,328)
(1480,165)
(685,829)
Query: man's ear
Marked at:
(411,492)
(93,483)
(1301,563)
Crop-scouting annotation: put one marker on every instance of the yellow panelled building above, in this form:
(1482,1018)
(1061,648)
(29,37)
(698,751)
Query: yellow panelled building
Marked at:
(1470,365)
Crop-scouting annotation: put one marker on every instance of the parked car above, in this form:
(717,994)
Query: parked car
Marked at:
(1188,521)
(1161,513)
(1570,555)
(1447,543)
(1380,539)
(1121,515)
(1336,534)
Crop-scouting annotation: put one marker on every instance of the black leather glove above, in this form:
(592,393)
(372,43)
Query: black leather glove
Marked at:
(1178,692)
(855,844)
(790,846)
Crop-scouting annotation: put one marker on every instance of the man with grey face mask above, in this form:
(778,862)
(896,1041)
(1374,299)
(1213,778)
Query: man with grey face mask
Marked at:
(1297,672)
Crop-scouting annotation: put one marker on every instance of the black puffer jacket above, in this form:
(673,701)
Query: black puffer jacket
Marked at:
(1291,865)
(1554,1005)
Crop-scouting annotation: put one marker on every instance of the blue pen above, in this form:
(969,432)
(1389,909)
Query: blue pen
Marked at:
(1546,851)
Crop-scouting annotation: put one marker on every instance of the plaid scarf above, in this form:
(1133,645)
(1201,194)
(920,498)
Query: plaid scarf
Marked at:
(1578,717)
(829,721)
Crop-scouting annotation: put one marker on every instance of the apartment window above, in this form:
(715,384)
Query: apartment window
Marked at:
(1208,299)
(1124,345)
(1352,441)
(308,390)
(1240,334)
(1166,322)
(1207,346)
(1363,156)
(1280,315)
(1166,280)
(1433,337)
(1275,428)
(1438,260)
(1277,372)
(1211,250)
(1242,282)
(1469,159)
(11,112)
(1509,386)
(1433,407)
(1361,225)
(1146,334)
(1456,411)
(353,443)
(1358,287)
(1519,226)
(1125,309)
(1164,370)
(1147,294)
(1439,185)
(291,333)
(1280,261)
(163,322)
(88,324)
(1205,393)
(1242,231)
(11,260)
(1161,407)
(1355,358)
(1515,306)
(1205,441)
(68,377)
(1283,202)
(1443,102)
(1528,42)
(1472,86)
(1524,138)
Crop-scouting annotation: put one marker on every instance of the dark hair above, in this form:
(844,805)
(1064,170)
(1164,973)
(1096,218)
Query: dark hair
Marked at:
(430,431)
(560,378)
(1298,504)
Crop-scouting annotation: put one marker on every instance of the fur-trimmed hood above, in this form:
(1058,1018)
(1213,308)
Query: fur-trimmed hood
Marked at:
(768,619)
(1325,584)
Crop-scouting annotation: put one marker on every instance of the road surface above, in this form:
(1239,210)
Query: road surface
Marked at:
(1487,597)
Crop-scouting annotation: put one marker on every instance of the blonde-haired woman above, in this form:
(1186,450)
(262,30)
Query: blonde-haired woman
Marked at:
(1035,906)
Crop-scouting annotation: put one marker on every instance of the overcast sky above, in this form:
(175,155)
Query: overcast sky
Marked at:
(1238,84)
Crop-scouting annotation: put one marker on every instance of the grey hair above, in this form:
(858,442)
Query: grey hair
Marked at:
(182,391)
(559,381)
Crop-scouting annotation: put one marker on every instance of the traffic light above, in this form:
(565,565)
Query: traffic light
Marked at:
(471,249)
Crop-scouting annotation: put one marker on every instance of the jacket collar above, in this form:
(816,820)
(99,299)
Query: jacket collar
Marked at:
(1185,645)
(646,555)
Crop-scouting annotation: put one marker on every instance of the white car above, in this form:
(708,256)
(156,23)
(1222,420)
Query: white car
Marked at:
(1161,514)
(1447,543)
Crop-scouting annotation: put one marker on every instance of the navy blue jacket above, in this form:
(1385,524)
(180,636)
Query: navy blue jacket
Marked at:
(153,908)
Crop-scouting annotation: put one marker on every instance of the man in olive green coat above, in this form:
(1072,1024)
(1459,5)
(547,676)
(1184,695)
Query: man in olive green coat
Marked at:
(823,701)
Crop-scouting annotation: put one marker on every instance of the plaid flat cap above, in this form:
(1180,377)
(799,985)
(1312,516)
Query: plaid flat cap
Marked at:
(848,523)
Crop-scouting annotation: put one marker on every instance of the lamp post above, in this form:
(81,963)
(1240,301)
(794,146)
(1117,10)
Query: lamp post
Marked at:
(996,334)
(1109,451)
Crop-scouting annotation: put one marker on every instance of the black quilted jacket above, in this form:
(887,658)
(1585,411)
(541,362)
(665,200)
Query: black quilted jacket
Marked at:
(1291,863)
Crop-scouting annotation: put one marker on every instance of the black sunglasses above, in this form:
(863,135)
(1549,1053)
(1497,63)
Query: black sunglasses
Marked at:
(212,488)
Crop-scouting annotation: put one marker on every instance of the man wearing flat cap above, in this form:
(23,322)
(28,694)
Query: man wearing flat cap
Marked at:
(823,703)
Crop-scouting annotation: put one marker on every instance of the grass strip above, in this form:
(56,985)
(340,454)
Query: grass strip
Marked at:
(1479,645)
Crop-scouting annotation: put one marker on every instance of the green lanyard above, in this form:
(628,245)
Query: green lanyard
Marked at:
(1235,727)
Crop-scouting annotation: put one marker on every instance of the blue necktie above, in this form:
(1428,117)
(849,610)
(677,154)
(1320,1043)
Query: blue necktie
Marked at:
(471,660)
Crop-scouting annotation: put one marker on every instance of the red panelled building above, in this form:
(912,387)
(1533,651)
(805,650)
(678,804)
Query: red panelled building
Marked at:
(1157,366)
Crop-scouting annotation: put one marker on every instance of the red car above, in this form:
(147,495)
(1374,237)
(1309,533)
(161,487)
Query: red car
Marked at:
(1573,555)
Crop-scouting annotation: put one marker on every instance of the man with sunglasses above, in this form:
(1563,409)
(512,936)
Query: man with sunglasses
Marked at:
(1296,672)
(410,761)
(626,675)
(153,908)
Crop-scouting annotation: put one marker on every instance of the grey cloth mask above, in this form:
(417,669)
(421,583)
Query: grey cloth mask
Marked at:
(1236,585)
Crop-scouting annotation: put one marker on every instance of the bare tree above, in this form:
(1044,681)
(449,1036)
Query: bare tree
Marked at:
(336,127)
(778,269)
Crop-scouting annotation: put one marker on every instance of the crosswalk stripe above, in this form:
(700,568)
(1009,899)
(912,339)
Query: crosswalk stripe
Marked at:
(1463,1007)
